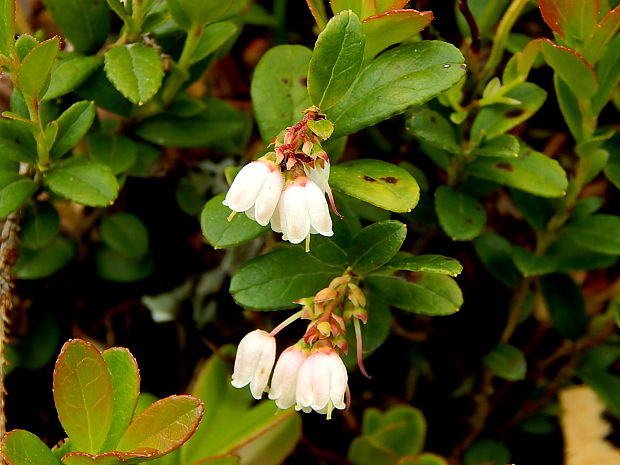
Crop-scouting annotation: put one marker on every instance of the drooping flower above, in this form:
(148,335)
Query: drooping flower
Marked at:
(255,357)
(256,190)
(322,382)
(302,210)
(284,380)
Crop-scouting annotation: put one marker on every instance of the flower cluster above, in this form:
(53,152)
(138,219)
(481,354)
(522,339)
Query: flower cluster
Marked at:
(287,187)
(309,375)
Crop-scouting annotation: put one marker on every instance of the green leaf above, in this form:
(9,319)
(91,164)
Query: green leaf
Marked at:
(424,293)
(40,227)
(213,37)
(275,280)
(361,8)
(204,11)
(375,245)
(530,264)
(81,458)
(400,78)
(487,451)
(322,128)
(117,152)
(14,191)
(608,71)
(83,395)
(377,182)
(433,128)
(569,256)
(99,89)
(566,305)
(569,106)
(21,447)
(506,362)
(503,145)
(116,267)
(24,44)
(393,27)
(7,27)
(386,436)
(336,59)
(135,70)
(221,233)
(386,5)
(426,263)
(85,24)
(126,234)
(495,253)
(535,210)
(500,118)
(15,151)
(279,89)
(460,215)
(572,20)
(219,126)
(532,172)
(36,67)
(125,379)
(599,233)
(604,31)
(38,347)
(37,264)
(69,72)
(73,124)
(83,181)
(163,426)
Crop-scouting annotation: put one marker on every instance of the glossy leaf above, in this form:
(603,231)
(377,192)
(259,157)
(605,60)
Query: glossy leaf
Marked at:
(84,24)
(487,451)
(599,233)
(362,8)
(212,37)
(385,5)
(80,458)
(73,124)
(21,447)
(117,152)
(532,172)
(426,263)
(14,191)
(83,182)
(400,78)
(460,215)
(608,71)
(499,118)
(375,245)
(36,67)
(275,280)
(116,267)
(507,362)
(41,263)
(503,145)
(83,395)
(135,70)
(14,151)
(603,33)
(125,379)
(433,128)
(40,227)
(424,293)
(535,210)
(221,233)
(206,11)
(126,234)
(69,72)
(7,27)
(571,19)
(163,426)
(393,27)
(565,304)
(336,59)
(379,183)
(279,89)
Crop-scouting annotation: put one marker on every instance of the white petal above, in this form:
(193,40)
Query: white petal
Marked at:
(303,391)
(321,381)
(295,212)
(338,378)
(263,369)
(268,197)
(246,186)
(253,353)
(285,374)
(318,210)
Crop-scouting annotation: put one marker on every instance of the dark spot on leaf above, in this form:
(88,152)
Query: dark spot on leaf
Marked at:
(304,82)
(448,259)
(463,66)
(433,120)
(469,221)
(414,277)
(284,80)
(369,179)
(514,113)
(390,179)
(502,165)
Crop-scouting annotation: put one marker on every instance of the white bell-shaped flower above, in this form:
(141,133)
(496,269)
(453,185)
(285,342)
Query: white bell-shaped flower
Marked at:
(302,210)
(284,380)
(322,382)
(256,190)
(255,357)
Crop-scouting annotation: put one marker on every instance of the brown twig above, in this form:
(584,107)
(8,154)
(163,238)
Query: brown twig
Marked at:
(473,27)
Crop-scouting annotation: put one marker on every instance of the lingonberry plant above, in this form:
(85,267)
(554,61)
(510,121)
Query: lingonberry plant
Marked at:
(370,166)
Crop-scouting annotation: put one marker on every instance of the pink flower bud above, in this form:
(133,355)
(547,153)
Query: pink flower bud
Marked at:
(285,375)
(255,357)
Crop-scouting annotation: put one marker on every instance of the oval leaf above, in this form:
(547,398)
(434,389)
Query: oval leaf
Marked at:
(73,124)
(566,305)
(507,362)
(21,447)
(599,233)
(40,228)
(37,264)
(36,67)
(336,59)
(14,191)
(163,426)
(69,72)
(377,182)
(375,245)
(135,70)
(126,234)
(117,152)
(460,215)
(83,395)
(427,263)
